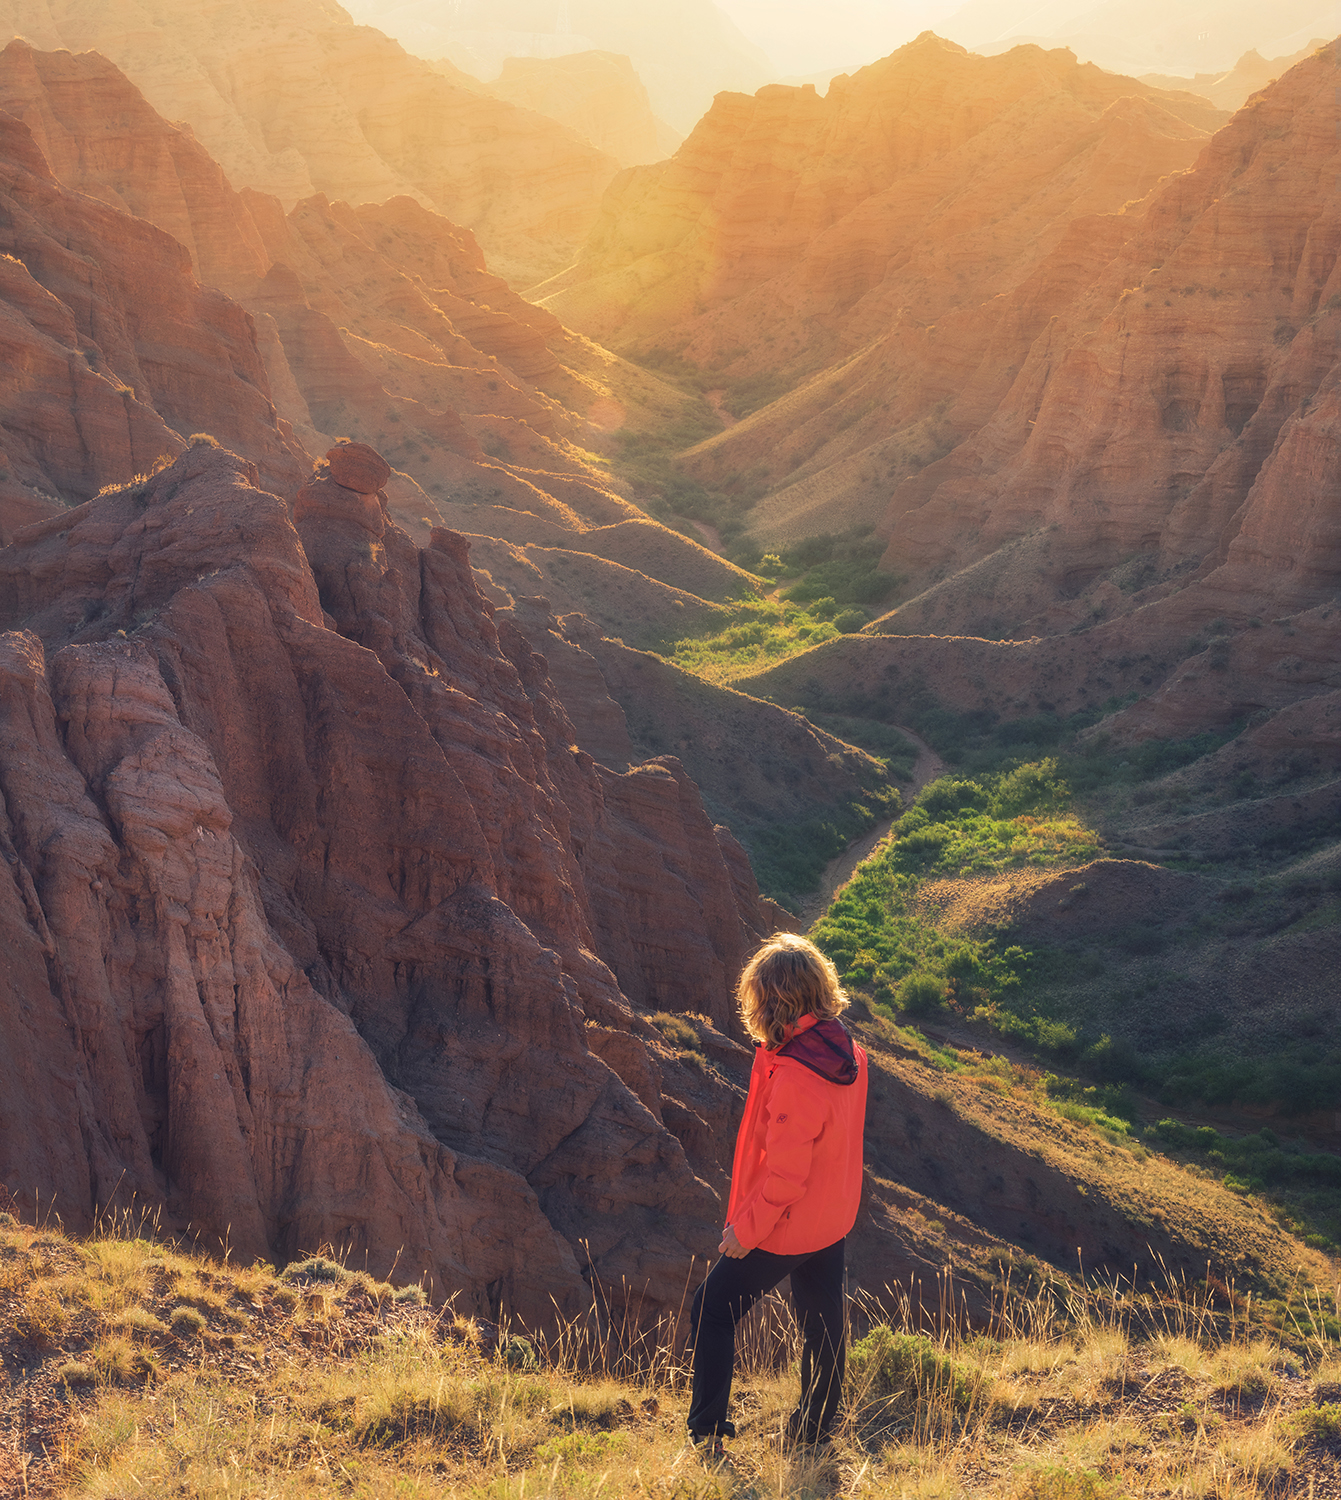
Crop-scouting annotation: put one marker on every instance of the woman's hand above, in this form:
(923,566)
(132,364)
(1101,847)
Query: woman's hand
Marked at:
(731,1246)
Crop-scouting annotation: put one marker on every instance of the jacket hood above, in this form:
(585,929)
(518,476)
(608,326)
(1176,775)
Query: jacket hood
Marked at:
(825,1048)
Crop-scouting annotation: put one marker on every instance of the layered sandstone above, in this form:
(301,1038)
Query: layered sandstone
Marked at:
(321,927)
(292,99)
(1184,412)
(103,380)
(931,168)
(381,323)
(869,248)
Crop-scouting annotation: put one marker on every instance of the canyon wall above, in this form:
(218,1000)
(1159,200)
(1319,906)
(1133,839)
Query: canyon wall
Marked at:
(320,924)
(101,380)
(1162,470)
(291,99)
(865,250)
(380,323)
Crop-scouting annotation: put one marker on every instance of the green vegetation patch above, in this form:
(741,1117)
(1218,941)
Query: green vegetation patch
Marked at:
(749,636)
(873,932)
(1304,1186)
(908,1367)
(789,858)
(842,568)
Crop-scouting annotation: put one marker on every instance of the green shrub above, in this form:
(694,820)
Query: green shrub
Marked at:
(921,994)
(407,1414)
(186,1322)
(1065,1484)
(413,1295)
(576,1448)
(677,1031)
(907,1366)
(850,621)
(519,1353)
(314,1268)
(1030,789)
(1314,1424)
(945,797)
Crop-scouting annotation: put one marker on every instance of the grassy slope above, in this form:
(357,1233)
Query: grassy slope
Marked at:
(959,918)
(318,1383)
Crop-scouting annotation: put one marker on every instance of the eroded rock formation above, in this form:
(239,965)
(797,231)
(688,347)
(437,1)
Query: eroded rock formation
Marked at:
(1162,470)
(851,234)
(292,99)
(104,377)
(381,323)
(320,925)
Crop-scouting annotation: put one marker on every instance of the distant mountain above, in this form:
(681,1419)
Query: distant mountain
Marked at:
(832,245)
(1230,89)
(291,98)
(685,51)
(1146,36)
(596,95)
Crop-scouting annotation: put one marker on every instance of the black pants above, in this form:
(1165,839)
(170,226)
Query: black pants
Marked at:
(731,1290)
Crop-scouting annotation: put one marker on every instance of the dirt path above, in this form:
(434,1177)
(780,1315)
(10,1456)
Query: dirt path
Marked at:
(840,870)
(710,534)
(714,400)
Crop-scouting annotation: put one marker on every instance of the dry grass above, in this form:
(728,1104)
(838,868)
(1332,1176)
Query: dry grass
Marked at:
(302,1387)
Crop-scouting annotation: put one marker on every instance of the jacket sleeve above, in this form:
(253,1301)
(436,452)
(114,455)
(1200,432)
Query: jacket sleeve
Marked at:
(796,1117)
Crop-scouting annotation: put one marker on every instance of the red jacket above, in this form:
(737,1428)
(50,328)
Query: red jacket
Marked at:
(796,1179)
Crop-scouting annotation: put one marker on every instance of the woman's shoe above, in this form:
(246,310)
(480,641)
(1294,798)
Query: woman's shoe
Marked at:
(708,1451)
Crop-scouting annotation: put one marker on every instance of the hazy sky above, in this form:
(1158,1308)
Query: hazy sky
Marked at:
(809,36)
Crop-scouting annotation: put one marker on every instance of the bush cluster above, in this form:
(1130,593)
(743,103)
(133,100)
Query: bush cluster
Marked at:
(956,827)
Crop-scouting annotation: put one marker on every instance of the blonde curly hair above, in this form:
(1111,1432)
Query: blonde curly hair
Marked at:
(786,979)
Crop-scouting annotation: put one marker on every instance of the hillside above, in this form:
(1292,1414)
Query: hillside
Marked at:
(292,99)
(126,1356)
(868,297)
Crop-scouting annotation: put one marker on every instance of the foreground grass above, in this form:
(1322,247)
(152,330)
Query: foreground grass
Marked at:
(318,1382)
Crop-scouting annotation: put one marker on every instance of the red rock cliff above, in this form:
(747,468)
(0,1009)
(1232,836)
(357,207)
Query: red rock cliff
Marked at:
(319,928)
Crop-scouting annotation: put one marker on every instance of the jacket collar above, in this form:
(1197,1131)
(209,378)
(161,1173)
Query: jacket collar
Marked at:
(804,1024)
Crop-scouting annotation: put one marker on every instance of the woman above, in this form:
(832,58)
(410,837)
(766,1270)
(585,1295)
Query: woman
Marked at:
(795,1187)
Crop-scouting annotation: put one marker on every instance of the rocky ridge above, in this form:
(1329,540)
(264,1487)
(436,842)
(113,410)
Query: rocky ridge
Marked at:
(292,99)
(380,323)
(102,381)
(306,870)
(1232,88)
(869,249)
(1161,469)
